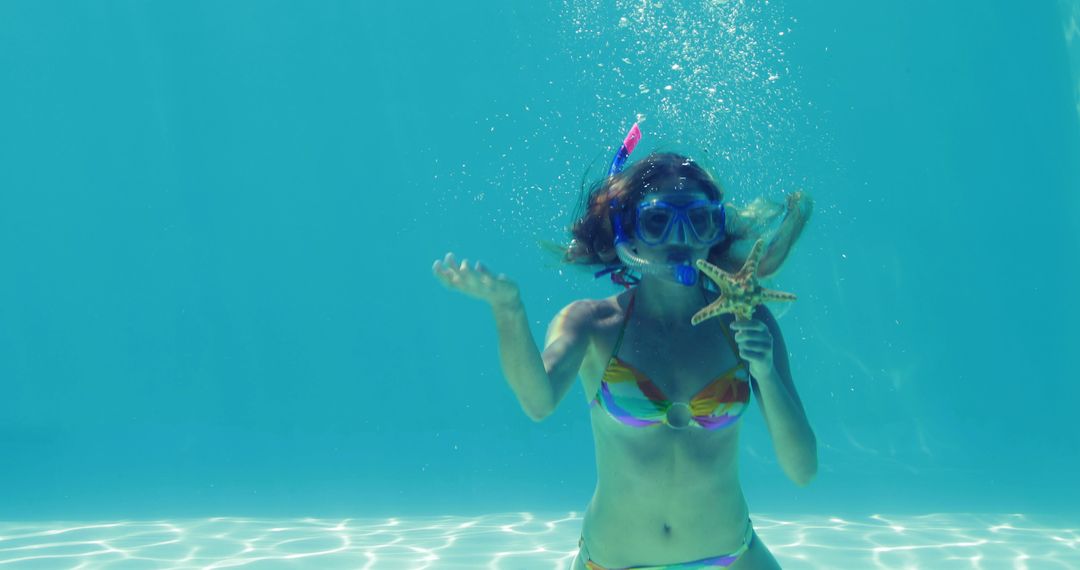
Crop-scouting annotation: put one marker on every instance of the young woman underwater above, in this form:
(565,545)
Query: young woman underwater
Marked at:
(665,397)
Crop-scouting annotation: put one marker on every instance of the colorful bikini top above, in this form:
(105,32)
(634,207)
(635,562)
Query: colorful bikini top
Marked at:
(631,398)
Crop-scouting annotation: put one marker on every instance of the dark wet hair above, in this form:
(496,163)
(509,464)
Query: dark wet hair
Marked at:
(593,240)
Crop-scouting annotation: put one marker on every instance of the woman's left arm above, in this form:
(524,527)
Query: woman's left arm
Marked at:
(743,229)
(762,345)
(799,208)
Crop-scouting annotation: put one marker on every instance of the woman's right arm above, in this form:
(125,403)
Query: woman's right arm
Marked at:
(539,381)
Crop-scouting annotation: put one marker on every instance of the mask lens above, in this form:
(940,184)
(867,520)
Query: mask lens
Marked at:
(653,222)
(707,221)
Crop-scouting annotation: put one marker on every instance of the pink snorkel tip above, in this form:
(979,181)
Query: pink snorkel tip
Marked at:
(632,138)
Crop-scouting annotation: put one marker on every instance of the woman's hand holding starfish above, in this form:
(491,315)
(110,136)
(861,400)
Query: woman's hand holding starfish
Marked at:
(755,345)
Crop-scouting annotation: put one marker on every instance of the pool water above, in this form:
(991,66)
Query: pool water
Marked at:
(221,344)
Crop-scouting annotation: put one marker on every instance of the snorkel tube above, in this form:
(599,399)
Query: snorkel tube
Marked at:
(681,271)
(629,143)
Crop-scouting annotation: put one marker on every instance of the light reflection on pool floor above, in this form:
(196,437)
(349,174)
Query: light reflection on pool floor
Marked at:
(524,541)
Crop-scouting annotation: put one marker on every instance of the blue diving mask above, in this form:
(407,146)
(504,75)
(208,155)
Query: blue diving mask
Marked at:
(701,221)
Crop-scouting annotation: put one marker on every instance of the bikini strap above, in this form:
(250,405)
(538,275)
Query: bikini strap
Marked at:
(626,319)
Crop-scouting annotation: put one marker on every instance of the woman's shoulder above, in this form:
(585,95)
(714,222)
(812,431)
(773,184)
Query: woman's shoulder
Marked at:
(591,313)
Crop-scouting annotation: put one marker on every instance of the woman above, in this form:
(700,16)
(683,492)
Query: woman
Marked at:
(664,396)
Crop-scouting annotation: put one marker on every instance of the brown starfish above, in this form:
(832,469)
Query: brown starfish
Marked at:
(739,293)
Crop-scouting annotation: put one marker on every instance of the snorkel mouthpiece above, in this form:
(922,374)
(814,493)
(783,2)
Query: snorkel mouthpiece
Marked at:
(686,274)
(681,271)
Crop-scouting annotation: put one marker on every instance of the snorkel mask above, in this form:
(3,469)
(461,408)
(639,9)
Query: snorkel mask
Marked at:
(701,221)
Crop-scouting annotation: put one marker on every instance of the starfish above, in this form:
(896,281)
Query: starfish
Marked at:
(739,293)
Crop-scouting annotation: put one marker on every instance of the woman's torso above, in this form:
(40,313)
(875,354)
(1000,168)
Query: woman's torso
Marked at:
(663,494)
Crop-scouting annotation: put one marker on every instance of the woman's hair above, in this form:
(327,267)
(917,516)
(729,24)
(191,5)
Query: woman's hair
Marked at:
(593,240)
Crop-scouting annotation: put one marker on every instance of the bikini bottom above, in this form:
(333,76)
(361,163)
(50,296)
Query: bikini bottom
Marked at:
(721,561)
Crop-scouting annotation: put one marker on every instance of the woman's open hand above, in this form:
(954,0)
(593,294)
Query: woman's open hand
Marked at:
(475,281)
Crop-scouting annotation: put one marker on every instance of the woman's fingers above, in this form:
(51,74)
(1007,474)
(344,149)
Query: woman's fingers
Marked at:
(437,269)
(751,355)
(447,277)
(752,333)
(742,336)
(440,269)
(752,324)
(754,339)
(450,261)
(485,276)
(445,269)
(462,274)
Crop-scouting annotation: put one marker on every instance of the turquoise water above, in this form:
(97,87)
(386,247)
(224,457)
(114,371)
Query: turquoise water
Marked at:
(217,318)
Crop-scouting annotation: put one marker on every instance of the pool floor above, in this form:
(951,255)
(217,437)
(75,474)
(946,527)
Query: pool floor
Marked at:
(525,541)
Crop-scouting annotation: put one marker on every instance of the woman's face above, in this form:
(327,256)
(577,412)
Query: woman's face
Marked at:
(680,244)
